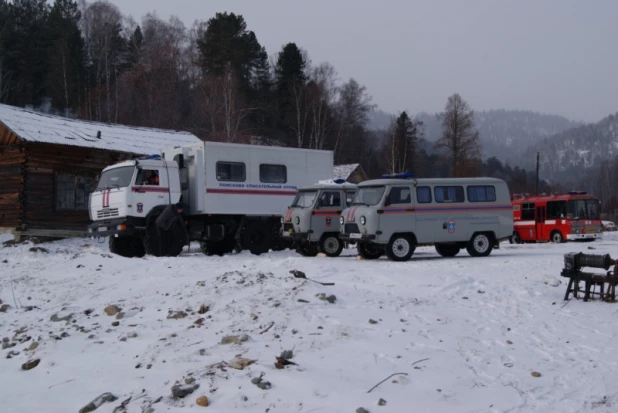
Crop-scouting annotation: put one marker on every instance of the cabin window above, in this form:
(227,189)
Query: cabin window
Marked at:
(481,193)
(73,192)
(273,174)
(231,171)
(447,194)
(527,211)
(423,195)
(147,177)
(400,195)
(330,199)
(556,209)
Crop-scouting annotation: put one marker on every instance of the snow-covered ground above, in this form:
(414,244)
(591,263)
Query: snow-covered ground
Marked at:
(482,327)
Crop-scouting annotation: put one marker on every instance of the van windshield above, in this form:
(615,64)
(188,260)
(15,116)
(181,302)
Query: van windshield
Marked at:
(116,178)
(369,195)
(304,199)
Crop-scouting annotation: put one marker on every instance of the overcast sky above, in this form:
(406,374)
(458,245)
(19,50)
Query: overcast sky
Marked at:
(551,56)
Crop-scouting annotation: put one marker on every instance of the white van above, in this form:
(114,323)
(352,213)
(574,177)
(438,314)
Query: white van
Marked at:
(396,214)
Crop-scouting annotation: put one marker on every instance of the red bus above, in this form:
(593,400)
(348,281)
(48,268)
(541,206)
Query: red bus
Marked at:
(556,218)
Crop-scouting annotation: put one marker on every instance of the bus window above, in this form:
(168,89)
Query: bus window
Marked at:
(556,209)
(527,211)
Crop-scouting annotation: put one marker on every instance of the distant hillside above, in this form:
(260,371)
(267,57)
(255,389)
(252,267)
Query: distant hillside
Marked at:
(566,155)
(505,134)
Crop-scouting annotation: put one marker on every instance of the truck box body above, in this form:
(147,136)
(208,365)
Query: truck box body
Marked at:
(250,180)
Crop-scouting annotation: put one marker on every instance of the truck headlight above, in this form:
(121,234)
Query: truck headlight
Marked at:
(297,220)
(282,220)
(363,220)
(341,220)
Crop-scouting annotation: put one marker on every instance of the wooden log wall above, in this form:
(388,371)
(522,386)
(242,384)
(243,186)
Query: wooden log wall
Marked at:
(43,162)
(11,181)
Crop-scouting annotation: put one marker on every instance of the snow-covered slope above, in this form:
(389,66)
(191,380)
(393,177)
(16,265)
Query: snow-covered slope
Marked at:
(481,327)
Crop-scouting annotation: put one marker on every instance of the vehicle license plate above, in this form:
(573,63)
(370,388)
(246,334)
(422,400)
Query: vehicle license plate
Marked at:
(102,229)
(356,236)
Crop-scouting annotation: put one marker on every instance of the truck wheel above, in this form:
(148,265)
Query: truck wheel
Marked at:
(516,239)
(447,250)
(155,246)
(480,245)
(129,247)
(369,251)
(556,237)
(331,245)
(220,248)
(257,237)
(307,249)
(400,248)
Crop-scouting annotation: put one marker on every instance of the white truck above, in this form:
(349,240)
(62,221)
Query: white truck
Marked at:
(233,197)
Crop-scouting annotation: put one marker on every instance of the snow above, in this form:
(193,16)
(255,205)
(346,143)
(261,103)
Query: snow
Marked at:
(481,325)
(39,127)
(344,171)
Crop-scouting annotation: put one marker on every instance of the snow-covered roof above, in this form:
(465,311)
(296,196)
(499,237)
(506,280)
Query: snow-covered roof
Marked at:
(32,126)
(344,171)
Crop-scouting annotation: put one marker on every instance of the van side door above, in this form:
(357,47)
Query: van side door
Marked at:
(426,223)
(325,217)
(397,215)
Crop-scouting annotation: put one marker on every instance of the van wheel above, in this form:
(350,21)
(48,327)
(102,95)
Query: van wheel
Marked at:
(480,245)
(556,237)
(257,237)
(331,245)
(307,249)
(369,251)
(400,248)
(128,247)
(447,250)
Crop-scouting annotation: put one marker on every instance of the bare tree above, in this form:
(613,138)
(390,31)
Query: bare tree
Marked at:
(322,90)
(459,138)
(352,109)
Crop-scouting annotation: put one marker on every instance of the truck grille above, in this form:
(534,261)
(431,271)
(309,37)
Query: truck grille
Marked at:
(107,213)
(351,229)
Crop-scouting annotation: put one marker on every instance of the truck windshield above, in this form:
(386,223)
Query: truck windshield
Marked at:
(584,209)
(116,178)
(369,195)
(304,199)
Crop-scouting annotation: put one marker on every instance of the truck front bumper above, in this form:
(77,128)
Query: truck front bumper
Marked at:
(110,227)
(594,235)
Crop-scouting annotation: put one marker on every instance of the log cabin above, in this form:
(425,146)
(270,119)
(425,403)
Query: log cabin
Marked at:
(49,165)
(352,173)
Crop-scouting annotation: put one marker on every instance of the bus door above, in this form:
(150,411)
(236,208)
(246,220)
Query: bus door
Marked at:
(541,231)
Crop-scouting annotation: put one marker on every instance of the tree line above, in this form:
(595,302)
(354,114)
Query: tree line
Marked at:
(214,79)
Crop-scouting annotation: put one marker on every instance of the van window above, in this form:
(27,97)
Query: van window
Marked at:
(231,171)
(330,199)
(481,193)
(527,211)
(273,174)
(444,194)
(423,195)
(400,195)
(349,198)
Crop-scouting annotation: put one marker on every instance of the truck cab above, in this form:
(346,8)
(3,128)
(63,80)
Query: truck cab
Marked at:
(312,221)
(127,193)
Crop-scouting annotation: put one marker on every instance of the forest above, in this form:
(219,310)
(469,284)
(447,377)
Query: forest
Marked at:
(88,61)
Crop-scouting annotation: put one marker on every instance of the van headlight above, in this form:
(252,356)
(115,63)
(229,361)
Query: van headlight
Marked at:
(341,220)
(297,220)
(363,220)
